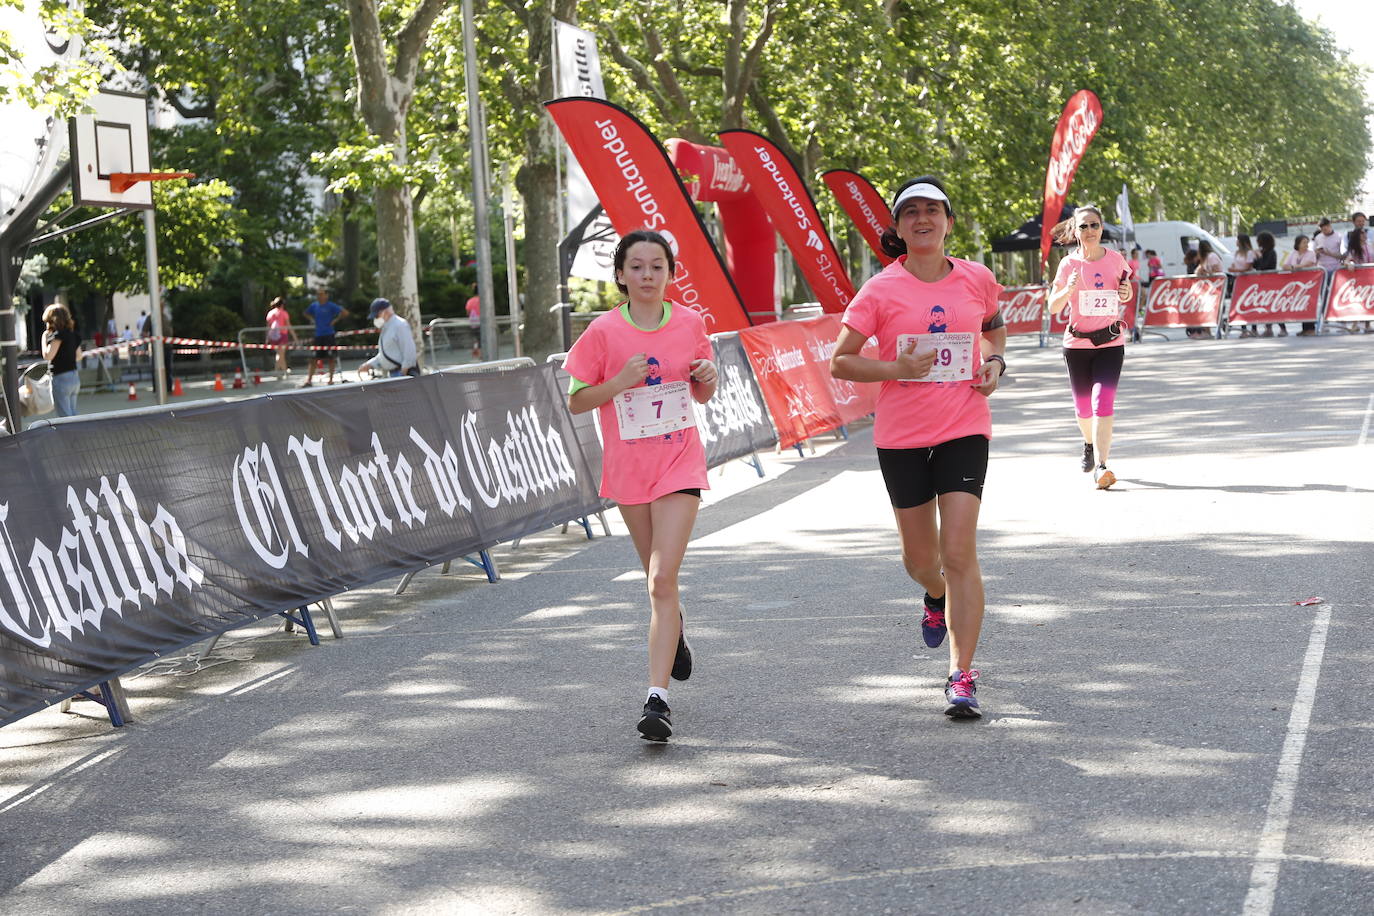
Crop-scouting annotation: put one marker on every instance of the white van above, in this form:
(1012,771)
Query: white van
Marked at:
(1170,239)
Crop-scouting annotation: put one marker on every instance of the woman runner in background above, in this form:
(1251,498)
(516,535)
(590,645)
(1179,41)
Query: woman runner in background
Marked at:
(1095,282)
(940,343)
(639,365)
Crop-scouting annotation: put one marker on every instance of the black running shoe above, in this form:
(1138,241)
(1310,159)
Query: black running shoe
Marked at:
(655,725)
(682,663)
(1088,462)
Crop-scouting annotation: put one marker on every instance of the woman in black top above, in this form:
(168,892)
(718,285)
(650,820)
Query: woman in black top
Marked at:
(1267,259)
(62,349)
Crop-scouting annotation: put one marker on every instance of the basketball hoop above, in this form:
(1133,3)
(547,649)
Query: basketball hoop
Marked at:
(123,181)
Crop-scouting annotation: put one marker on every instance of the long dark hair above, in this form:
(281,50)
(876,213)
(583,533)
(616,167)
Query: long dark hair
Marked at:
(634,238)
(1243,243)
(890,241)
(58,316)
(1266,242)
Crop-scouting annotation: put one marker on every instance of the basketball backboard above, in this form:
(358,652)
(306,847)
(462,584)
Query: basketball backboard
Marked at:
(112,140)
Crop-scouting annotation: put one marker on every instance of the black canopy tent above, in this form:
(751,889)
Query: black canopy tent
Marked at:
(1026,237)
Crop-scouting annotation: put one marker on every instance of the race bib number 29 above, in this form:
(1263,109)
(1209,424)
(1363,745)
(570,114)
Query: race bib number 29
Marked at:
(654,410)
(953,355)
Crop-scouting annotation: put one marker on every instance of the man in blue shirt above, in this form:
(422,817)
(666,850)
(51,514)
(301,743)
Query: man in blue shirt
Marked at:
(325,312)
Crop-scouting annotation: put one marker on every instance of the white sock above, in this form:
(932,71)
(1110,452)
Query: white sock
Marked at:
(662,694)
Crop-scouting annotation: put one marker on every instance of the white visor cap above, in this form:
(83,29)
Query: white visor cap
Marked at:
(922,190)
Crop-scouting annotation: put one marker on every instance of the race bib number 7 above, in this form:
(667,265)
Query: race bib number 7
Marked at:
(953,355)
(1098,303)
(654,410)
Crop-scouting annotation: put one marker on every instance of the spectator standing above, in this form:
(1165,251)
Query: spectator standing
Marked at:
(1154,264)
(279,334)
(1267,259)
(395,344)
(474,310)
(62,349)
(1208,265)
(1302,257)
(325,312)
(1240,263)
(1330,249)
(1358,251)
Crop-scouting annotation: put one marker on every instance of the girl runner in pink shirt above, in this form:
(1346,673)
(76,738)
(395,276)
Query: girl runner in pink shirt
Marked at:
(641,365)
(1095,281)
(940,343)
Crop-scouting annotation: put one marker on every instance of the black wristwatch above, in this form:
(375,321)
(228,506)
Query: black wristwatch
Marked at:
(998,357)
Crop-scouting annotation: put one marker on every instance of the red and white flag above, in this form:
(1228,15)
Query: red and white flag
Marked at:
(640,189)
(865,207)
(1078,124)
(777,185)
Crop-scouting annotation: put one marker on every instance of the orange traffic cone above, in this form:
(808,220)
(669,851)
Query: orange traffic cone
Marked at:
(176,387)
(238,378)
(257,378)
(219,382)
(133,392)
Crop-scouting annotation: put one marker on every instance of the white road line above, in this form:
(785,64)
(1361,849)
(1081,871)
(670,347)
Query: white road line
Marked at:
(1364,428)
(1264,877)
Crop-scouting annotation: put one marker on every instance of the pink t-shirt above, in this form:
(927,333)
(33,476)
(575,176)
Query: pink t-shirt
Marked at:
(635,471)
(914,414)
(278,318)
(1104,273)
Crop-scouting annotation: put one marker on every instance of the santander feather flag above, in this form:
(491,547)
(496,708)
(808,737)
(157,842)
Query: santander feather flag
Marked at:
(864,205)
(775,182)
(1077,126)
(640,189)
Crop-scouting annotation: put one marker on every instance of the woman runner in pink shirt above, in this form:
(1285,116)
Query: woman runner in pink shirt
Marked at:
(940,343)
(640,366)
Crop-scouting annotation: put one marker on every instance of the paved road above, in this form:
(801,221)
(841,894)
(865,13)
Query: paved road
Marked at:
(1166,732)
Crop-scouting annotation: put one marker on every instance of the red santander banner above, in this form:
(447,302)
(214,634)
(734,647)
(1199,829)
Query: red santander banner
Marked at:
(637,185)
(1126,311)
(1023,308)
(1352,294)
(1287,296)
(864,206)
(1078,124)
(775,182)
(791,360)
(1185,302)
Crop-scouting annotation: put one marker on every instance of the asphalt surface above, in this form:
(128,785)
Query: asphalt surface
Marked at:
(1165,730)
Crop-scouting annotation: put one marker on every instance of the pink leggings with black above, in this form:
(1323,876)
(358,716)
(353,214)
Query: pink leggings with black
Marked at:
(1093,377)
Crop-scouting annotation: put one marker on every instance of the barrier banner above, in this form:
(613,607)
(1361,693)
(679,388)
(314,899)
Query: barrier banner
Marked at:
(1023,308)
(125,538)
(791,361)
(1126,311)
(1268,297)
(1185,302)
(640,189)
(864,206)
(1352,295)
(734,423)
(777,185)
(1078,124)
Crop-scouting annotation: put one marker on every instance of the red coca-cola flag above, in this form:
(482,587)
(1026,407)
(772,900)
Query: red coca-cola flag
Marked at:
(1185,302)
(1077,126)
(1287,296)
(865,207)
(1023,308)
(775,182)
(1126,311)
(639,188)
(791,360)
(1352,295)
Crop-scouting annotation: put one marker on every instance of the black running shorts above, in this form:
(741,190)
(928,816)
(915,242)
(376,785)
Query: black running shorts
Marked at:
(325,342)
(915,476)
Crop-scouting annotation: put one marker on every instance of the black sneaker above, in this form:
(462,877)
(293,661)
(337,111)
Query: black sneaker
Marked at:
(1088,462)
(655,725)
(682,663)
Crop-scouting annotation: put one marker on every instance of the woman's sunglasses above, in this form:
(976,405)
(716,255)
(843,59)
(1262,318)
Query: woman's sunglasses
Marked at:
(1083,227)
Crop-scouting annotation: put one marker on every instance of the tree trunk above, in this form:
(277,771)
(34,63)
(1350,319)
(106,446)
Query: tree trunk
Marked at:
(250,301)
(537,182)
(397,272)
(352,247)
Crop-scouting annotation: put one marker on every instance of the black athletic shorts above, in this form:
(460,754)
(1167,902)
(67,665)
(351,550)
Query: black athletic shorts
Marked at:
(324,340)
(691,491)
(915,476)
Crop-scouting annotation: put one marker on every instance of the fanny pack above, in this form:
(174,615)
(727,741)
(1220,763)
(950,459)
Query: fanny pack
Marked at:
(1102,335)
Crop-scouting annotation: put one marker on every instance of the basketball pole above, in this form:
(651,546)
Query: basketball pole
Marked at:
(155,307)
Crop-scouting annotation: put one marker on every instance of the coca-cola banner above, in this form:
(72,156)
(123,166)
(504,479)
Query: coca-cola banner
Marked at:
(1126,311)
(1286,296)
(1352,294)
(125,538)
(791,361)
(864,206)
(775,182)
(734,423)
(1185,302)
(1023,308)
(1078,124)
(639,189)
